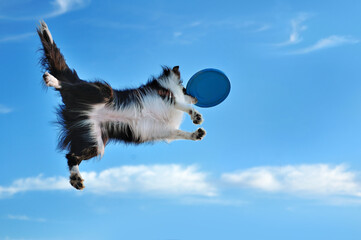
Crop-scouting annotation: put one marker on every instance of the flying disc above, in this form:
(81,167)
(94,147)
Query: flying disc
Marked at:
(210,86)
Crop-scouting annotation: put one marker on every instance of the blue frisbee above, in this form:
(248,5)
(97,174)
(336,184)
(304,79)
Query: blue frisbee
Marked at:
(210,86)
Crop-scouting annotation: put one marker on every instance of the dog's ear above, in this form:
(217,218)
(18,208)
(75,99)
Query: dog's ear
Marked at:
(176,71)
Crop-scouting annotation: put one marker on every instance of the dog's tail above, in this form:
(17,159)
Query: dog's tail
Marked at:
(52,60)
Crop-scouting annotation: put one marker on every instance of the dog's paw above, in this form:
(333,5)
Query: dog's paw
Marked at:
(196,117)
(199,134)
(51,81)
(189,99)
(76,181)
(194,100)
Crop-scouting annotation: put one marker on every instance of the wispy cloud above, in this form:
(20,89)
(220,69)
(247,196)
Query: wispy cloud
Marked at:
(235,24)
(38,183)
(177,34)
(223,201)
(158,180)
(297,26)
(302,180)
(15,38)
(11,238)
(104,23)
(4,109)
(262,28)
(193,31)
(329,42)
(64,6)
(60,7)
(25,218)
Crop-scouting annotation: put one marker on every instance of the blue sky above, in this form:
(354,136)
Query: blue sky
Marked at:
(281,159)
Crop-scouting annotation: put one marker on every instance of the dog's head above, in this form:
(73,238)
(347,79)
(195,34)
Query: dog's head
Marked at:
(172,74)
(189,98)
(172,80)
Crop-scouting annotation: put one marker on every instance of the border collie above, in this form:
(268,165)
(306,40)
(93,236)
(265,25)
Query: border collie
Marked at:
(93,113)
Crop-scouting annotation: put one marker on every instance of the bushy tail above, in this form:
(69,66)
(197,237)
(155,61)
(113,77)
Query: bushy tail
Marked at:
(52,60)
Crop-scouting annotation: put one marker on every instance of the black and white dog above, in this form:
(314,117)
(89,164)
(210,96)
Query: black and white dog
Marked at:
(93,113)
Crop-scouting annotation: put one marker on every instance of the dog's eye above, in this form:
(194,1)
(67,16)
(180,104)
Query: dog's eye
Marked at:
(184,90)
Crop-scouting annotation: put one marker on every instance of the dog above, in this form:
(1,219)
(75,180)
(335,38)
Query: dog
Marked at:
(93,113)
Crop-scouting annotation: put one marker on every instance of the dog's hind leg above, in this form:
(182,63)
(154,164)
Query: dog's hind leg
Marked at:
(74,159)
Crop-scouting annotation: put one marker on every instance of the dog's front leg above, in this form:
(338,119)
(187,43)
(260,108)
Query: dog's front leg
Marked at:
(195,115)
(190,100)
(179,134)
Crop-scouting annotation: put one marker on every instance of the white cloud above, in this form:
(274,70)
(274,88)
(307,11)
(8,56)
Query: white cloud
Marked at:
(332,41)
(159,180)
(154,179)
(333,183)
(310,180)
(4,109)
(38,183)
(25,218)
(297,27)
(258,178)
